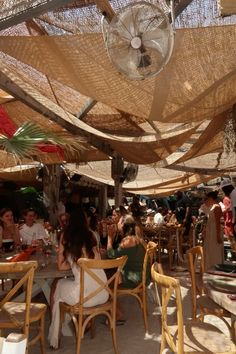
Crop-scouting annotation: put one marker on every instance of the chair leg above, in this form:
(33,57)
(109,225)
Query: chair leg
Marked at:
(114,340)
(163,342)
(92,329)
(42,334)
(159,253)
(144,305)
(170,258)
(78,325)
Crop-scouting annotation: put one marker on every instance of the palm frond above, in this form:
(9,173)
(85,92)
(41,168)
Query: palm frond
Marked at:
(24,142)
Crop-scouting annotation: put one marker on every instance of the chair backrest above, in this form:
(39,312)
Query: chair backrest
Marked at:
(150,253)
(195,256)
(159,268)
(26,269)
(169,287)
(110,285)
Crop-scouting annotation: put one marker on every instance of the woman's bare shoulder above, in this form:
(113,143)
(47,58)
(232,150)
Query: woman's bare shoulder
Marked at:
(128,242)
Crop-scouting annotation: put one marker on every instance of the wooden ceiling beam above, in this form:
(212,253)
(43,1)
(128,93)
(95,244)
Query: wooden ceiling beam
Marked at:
(33,11)
(227,7)
(181,6)
(32,25)
(89,104)
(106,9)
(50,5)
(201,171)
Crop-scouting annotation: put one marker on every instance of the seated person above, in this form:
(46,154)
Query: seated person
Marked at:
(171,218)
(159,218)
(8,229)
(150,217)
(31,231)
(133,247)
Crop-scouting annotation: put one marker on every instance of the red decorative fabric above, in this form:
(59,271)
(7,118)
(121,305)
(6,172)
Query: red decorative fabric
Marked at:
(7,126)
(51,148)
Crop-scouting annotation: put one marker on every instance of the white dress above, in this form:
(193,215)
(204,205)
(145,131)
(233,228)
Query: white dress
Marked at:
(68,290)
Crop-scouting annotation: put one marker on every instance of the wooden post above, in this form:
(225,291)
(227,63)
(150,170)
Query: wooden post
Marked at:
(51,188)
(117,168)
(103,200)
(227,7)
(118,193)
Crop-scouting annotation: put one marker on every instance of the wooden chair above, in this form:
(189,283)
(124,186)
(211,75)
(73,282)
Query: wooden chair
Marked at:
(20,315)
(202,302)
(140,292)
(82,315)
(194,336)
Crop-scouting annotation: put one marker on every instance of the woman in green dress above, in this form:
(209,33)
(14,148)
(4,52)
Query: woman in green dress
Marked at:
(131,246)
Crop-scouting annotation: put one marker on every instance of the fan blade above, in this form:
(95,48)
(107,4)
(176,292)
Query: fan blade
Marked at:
(157,39)
(128,60)
(128,22)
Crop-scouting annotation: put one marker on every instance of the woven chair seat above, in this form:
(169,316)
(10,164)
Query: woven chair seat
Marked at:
(203,338)
(86,310)
(14,312)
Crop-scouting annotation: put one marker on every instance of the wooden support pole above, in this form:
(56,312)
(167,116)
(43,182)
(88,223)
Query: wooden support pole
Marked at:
(181,6)
(117,168)
(51,189)
(227,7)
(118,192)
(103,200)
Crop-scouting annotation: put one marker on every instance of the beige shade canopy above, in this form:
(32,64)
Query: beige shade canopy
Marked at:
(150,180)
(145,148)
(202,71)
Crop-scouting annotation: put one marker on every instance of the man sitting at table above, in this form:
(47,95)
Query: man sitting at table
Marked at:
(159,218)
(31,231)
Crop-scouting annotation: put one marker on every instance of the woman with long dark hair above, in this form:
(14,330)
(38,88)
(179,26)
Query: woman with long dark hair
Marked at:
(76,242)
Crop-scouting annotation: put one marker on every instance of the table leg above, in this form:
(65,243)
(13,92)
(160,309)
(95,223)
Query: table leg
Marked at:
(179,250)
(45,286)
(35,291)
